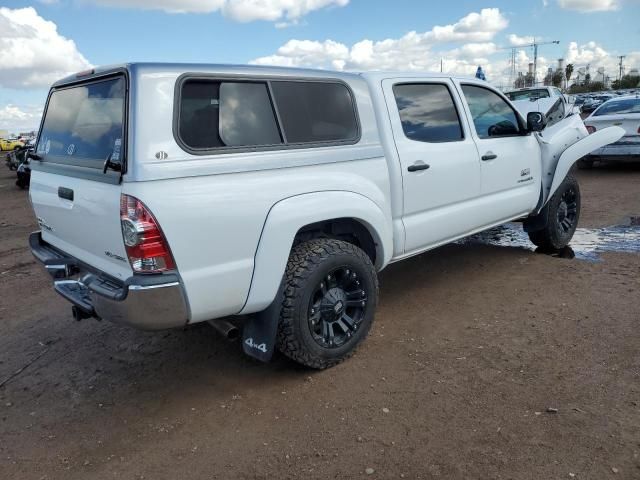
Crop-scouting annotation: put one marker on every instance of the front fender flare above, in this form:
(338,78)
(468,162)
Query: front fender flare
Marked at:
(578,150)
(288,216)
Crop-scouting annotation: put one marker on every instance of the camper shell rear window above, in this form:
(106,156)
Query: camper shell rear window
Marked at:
(84,124)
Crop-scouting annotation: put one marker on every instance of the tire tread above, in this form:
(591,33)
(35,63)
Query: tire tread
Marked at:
(303,260)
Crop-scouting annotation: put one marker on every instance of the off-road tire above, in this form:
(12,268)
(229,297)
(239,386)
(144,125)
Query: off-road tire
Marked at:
(584,164)
(554,236)
(308,265)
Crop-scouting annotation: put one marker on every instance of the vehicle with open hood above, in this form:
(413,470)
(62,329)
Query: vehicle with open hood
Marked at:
(548,100)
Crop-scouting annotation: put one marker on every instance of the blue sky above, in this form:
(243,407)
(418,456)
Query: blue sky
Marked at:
(61,36)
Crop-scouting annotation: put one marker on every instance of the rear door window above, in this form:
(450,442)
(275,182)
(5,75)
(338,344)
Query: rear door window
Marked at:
(427,113)
(83,124)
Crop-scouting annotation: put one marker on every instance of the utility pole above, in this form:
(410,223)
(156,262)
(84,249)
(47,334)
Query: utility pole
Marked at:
(535,46)
(440,64)
(621,66)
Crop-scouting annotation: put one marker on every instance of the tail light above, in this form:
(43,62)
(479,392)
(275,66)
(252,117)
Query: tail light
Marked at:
(146,245)
(590,129)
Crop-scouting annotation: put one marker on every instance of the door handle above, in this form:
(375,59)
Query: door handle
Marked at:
(418,166)
(489,156)
(65,193)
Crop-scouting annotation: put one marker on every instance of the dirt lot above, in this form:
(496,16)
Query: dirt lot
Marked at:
(472,345)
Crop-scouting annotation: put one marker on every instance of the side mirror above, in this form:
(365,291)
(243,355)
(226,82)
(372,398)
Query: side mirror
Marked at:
(536,121)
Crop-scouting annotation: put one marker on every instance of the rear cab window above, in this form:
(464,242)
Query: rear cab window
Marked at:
(84,126)
(531,94)
(219,116)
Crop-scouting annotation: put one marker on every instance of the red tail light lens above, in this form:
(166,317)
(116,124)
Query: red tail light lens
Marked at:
(590,129)
(146,246)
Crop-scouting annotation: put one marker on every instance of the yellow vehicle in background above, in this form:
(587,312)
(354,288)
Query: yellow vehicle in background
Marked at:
(10,144)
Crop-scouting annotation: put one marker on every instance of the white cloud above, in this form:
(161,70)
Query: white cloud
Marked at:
(412,51)
(32,52)
(587,53)
(518,41)
(239,10)
(590,5)
(16,119)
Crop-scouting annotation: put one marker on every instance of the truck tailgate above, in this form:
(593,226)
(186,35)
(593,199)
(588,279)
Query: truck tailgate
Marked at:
(82,218)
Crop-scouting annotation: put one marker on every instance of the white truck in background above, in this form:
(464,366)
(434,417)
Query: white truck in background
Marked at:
(170,194)
(548,100)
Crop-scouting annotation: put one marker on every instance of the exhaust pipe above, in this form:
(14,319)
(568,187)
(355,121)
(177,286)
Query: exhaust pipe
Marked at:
(227,329)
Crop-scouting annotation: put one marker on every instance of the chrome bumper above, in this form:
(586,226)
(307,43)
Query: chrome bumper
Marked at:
(147,302)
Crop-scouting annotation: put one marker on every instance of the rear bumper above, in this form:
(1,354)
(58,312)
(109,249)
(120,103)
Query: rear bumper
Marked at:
(147,302)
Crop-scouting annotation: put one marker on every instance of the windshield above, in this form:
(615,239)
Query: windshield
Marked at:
(619,107)
(528,94)
(83,124)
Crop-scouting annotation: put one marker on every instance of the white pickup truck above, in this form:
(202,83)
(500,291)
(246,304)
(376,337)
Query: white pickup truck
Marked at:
(174,194)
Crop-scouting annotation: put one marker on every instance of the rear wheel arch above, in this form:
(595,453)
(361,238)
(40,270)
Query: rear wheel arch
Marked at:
(340,215)
(350,230)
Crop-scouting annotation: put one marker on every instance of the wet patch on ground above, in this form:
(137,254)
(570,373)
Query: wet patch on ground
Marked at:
(587,243)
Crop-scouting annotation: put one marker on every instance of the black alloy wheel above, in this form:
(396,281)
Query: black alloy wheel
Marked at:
(337,307)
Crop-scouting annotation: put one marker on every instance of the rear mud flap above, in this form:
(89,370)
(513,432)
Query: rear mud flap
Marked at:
(261,329)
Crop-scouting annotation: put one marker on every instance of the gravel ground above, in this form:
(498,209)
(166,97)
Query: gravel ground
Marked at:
(484,362)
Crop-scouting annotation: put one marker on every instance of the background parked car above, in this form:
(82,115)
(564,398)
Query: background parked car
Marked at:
(621,112)
(10,144)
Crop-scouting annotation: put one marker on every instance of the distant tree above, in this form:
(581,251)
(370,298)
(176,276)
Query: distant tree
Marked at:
(519,82)
(556,79)
(597,86)
(568,70)
(529,80)
(584,88)
(627,81)
(587,79)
